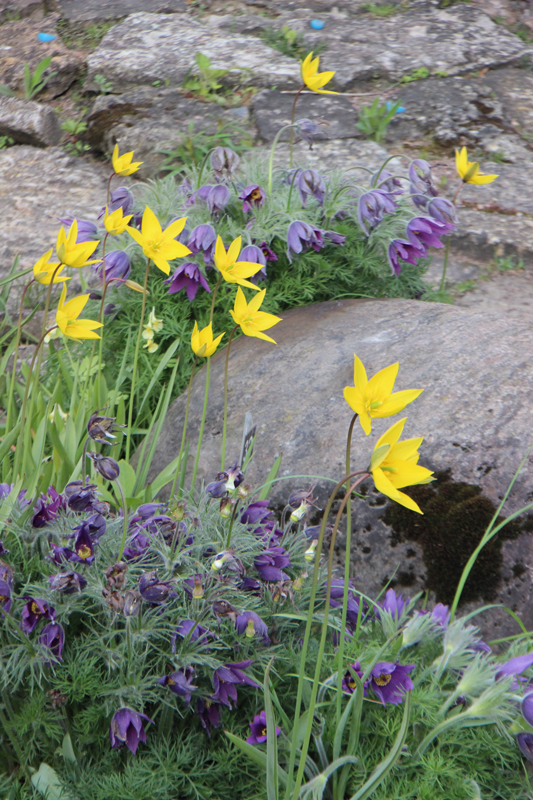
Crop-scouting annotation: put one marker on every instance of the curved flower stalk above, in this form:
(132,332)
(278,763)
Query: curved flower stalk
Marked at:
(203,346)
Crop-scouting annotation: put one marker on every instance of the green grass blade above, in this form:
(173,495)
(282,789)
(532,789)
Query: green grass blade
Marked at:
(272,741)
(271,477)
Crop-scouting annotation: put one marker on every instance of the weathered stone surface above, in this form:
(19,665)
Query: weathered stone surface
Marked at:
(102,10)
(19,45)
(456,40)
(16,9)
(272,110)
(38,186)
(28,123)
(149,47)
(514,90)
(149,121)
(475,412)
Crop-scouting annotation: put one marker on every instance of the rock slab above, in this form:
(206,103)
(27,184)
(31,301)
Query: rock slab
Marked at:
(102,10)
(475,412)
(336,116)
(28,123)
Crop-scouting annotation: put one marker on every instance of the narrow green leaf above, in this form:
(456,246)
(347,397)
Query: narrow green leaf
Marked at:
(155,378)
(254,754)
(271,477)
(272,786)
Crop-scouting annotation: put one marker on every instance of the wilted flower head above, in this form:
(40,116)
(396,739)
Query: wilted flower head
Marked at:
(390,681)
(226,481)
(310,184)
(117,267)
(253,197)
(259,729)
(53,638)
(180,682)
(224,162)
(127,729)
(227,678)
(189,277)
(106,466)
(35,609)
(101,428)
(67,582)
(153,590)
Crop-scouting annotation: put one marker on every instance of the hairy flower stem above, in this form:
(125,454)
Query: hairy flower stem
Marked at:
(271,160)
(293,113)
(215,292)
(225,423)
(307,634)
(15,357)
(101,317)
(202,167)
(84,461)
(340,654)
(322,646)
(125,513)
(135,360)
(185,421)
(232,520)
(290,190)
(445,265)
(202,424)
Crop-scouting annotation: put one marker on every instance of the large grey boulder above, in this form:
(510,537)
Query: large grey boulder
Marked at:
(475,415)
(335,114)
(28,123)
(102,10)
(162,47)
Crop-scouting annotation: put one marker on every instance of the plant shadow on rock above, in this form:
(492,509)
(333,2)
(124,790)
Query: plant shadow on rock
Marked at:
(456,515)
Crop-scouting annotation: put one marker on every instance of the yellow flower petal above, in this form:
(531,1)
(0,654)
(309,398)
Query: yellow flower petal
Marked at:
(151,229)
(396,403)
(381,384)
(392,435)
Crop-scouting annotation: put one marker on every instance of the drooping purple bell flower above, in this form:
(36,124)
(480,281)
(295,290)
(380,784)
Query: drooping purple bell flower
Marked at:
(35,609)
(227,678)
(189,628)
(336,238)
(525,743)
(187,276)
(87,230)
(180,682)
(301,236)
(309,131)
(127,729)
(218,198)
(386,182)
(117,267)
(515,666)
(47,508)
(224,162)
(373,206)
(254,255)
(153,590)
(252,196)
(200,194)
(203,240)
(259,729)
(208,711)
(310,184)
(443,210)
(80,498)
(6,587)
(424,232)
(421,183)
(250,624)
(67,582)
(270,564)
(348,683)
(256,512)
(407,251)
(53,638)
(120,198)
(527,708)
(390,681)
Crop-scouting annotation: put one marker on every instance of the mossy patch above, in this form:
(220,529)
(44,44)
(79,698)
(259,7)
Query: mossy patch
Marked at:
(455,518)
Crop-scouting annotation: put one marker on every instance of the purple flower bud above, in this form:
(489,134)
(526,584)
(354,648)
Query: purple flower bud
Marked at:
(527,708)
(53,638)
(106,466)
(310,184)
(309,130)
(253,197)
(259,729)
(202,240)
(87,231)
(79,497)
(336,238)
(443,210)
(407,251)
(180,682)
(256,512)
(117,267)
(187,628)
(218,198)
(515,666)
(153,590)
(372,207)
(423,232)
(200,194)
(386,182)
(120,198)
(35,609)
(225,162)
(188,277)
(525,743)
(127,729)
(420,177)
(393,604)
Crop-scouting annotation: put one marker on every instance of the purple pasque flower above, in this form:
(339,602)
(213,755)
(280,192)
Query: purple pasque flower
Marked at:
(153,590)
(250,624)
(253,197)
(443,210)
(309,130)
(527,708)
(389,681)
(117,267)
(336,238)
(47,508)
(386,182)
(407,251)
(35,609)
(348,683)
(256,512)
(250,585)
(525,743)
(209,712)
(268,253)
(271,562)
(372,207)
(6,586)
(227,678)
(336,600)
(394,604)
(224,162)
(180,682)
(225,482)
(80,497)
(136,547)
(254,255)
(203,240)
(515,666)
(259,729)
(67,582)
(87,231)
(424,232)
(120,198)
(421,179)
(190,629)
(189,277)
(200,194)
(84,545)
(53,638)
(301,236)
(310,183)
(218,198)
(127,729)
(5,490)
(441,615)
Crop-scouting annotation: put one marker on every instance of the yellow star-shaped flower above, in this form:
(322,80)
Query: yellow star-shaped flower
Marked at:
(469,170)
(116,223)
(314,79)
(373,398)
(43,270)
(251,320)
(67,318)
(160,245)
(202,342)
(123,164)
(394,465)
(234,271)
(72,254)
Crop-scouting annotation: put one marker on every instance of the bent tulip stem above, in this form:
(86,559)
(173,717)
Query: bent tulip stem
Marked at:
(202,424)
(185,421)
(135,360)
(293,112)
(224,426)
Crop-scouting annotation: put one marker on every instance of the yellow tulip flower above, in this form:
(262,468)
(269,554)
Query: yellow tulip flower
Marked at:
(43,270)
(394,465)
(67,318)
(160,245)
(123,164)
(372,398)
(71,254)
(116,223)
(202,342)
(469,171)
(251,320)
(234,271)
(314,79)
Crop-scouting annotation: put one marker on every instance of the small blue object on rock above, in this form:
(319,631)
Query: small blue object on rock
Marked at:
(317,24)
(46,37)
